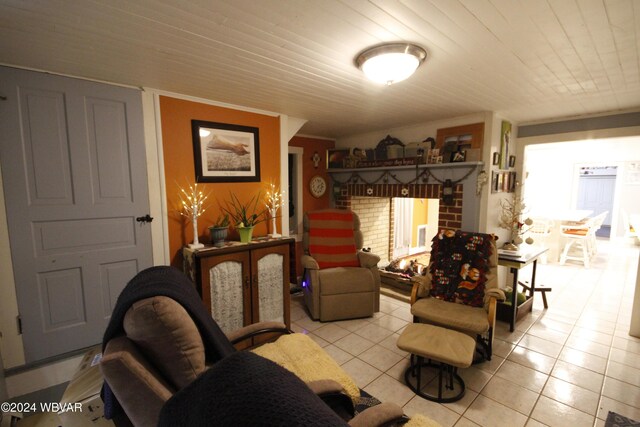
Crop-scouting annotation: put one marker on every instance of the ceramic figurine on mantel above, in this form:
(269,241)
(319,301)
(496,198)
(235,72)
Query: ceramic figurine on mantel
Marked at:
(510,219)
(193,207)
(273,202)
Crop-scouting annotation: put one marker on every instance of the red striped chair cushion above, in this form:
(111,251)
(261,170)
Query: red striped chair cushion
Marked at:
(331,240)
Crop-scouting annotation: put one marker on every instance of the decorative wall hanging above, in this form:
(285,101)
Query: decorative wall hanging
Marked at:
(505,140)
(481,181)
(315,159)
(225,152)
(496,159)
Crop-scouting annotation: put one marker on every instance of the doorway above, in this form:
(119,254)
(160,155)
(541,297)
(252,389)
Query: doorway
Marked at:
(596,192)
(294,189)
(552,176)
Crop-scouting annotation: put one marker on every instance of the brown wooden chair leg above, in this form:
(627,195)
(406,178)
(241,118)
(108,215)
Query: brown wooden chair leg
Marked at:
(544,291)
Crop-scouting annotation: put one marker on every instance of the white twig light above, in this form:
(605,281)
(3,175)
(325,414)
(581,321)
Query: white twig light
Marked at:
(274,201)
(192,207)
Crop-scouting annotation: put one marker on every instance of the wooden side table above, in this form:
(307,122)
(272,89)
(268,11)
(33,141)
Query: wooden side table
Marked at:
(516,262)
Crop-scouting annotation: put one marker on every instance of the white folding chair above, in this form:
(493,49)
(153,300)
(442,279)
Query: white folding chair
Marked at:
(539,231)
(578,237)
(597,224)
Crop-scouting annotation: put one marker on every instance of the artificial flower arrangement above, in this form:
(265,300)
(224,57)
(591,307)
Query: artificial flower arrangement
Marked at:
(510,219)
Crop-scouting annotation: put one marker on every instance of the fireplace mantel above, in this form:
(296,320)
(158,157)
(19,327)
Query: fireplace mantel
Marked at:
(406,174)
(420,181)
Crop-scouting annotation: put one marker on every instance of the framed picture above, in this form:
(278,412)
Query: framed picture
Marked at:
(458,156)
(512,161)
(496,158)
(503,182)
(512,182)
(449,148)
(336,157)
(225,152)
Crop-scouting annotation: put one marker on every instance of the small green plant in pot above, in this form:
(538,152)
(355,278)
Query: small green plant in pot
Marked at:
(245,215)
(219,230)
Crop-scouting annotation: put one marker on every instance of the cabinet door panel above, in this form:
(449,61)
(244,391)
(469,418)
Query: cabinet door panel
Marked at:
(225,290)
(270,285)
(270,295)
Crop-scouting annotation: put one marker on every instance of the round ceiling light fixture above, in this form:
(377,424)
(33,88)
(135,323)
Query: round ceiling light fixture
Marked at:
(390,63)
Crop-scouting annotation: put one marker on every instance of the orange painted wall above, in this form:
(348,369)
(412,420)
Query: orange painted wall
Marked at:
(310,203)
(311,145)
(176,116)
(420,215)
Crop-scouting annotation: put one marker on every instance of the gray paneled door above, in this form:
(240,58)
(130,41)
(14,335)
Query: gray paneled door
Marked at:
(74,174)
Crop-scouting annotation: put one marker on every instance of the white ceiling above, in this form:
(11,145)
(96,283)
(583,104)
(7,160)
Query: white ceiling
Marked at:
(529,60)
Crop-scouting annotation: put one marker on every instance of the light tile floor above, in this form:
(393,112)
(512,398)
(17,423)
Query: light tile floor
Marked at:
(564,366)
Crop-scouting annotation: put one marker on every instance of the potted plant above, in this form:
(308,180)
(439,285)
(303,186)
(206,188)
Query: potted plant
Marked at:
(219,230)
(244,216)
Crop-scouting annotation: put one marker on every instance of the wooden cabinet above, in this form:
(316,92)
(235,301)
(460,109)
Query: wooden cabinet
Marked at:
(241,284)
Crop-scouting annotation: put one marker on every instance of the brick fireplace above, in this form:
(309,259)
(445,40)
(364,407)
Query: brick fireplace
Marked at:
(371,197)
(450,216)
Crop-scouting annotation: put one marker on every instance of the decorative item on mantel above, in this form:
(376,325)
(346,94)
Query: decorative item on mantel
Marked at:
(512,211)
(419,149)
(389,148)
(192,207)
(273,202)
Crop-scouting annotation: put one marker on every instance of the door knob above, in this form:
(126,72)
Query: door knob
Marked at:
(146,218)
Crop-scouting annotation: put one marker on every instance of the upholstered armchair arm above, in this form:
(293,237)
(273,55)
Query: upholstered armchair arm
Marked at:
(309,263)
(137,385)
(491,298)
(378,415)
(325,386)
(496,293)
(421,287)
(257,329)
(333,394)
(367,259)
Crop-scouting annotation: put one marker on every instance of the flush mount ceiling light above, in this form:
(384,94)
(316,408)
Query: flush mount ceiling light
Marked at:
(390,63)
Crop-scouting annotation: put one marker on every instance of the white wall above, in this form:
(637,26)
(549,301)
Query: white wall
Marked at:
(406,134)
(490,205)
(634,329)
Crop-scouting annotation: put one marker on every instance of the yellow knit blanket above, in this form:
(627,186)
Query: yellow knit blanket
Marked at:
(301,355)
(308,361)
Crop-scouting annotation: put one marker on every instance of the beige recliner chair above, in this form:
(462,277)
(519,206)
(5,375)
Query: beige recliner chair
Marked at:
(340,280)
(161,352)
(460,290)
(159,342)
